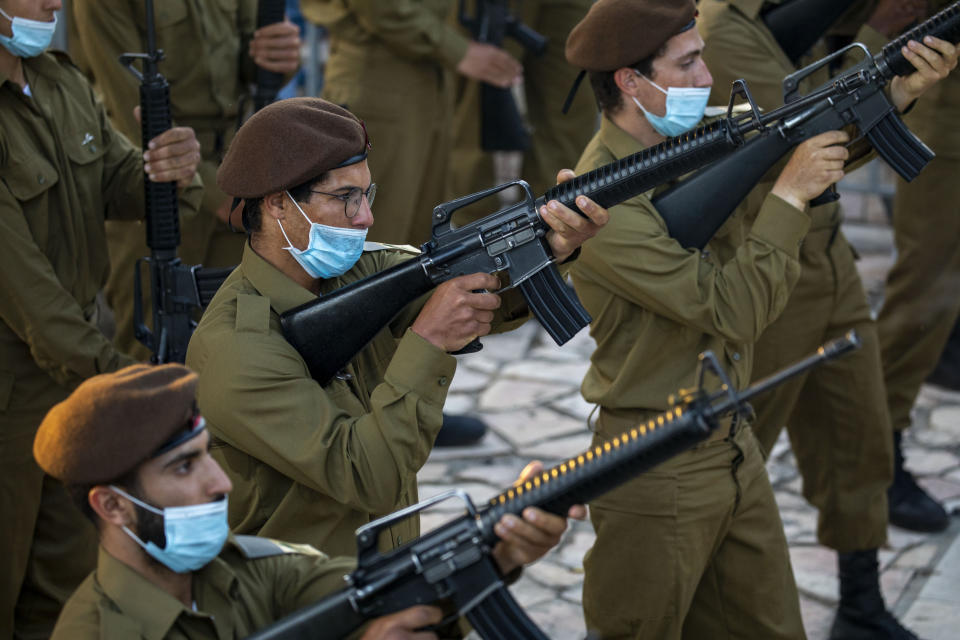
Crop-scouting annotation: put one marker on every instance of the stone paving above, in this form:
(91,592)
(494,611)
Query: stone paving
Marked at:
(526,388)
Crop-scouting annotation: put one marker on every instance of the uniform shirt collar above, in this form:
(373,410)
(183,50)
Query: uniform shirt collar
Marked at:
(620,143)
(270,282)
(155,610)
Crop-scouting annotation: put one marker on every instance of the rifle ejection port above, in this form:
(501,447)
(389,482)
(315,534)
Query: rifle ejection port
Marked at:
(510,241)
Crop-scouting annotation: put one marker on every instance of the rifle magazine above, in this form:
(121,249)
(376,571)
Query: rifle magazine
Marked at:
(895,143)
(499,617)
(554,304)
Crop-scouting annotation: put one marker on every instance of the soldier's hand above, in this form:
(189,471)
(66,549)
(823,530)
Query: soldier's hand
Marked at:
(815,165)
(523,541)
(934,60)
(276,47)
(403,624)
(490,64)
(456,314)
(173,156)
(568,229)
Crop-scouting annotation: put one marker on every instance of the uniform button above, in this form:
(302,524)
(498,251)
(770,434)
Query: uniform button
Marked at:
(442,381)
(41,179)
(93,148)
(736,356)
(399,540)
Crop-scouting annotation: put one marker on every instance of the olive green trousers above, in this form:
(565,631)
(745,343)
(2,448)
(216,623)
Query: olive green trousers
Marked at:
(692,549)
(835,414)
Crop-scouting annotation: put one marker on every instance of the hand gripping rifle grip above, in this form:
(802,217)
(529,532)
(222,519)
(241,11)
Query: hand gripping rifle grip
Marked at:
(554,304)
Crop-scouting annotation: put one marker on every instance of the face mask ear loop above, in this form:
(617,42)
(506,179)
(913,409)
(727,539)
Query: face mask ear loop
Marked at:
(148,507)
(285,236)
(655,85)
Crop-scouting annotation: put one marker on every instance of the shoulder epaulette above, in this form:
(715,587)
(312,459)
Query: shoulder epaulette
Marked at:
(255,547)
(253,313)
(369,247)
(712,112)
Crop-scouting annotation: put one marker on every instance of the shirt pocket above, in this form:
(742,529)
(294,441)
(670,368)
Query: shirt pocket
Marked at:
(30,179)
(83,145)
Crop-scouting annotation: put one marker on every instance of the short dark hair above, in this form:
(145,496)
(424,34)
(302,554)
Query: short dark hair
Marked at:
(605,88)
(252,218)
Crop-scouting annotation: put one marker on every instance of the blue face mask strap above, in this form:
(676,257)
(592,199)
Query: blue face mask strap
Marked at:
(141,503)
(285,236)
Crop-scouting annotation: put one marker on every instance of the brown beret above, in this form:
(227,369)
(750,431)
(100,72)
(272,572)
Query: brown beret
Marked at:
(288,143)
(113,422)
(619,33)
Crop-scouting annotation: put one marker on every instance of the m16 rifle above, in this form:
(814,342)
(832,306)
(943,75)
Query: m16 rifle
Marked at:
(176,290)
(454,563)
(696,208)
(501,126)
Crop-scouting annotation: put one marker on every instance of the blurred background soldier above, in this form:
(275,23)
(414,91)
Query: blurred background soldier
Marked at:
(64,169)
(210,52)
(921,303)
(835,416)
(555,139)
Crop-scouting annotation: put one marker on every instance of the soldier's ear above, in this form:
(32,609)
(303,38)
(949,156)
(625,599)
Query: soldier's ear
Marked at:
(275,205)
(626,79)
(110,507)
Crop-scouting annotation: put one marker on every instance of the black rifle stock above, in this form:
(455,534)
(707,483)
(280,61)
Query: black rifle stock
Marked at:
(501,127)
(268,83)
(176,290)
(796,25)
(453,562)
(696,208)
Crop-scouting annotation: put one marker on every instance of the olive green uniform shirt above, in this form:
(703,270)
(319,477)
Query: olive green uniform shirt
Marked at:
(415,30)
(64,169)
(656,305)
(309,463)
(236,594)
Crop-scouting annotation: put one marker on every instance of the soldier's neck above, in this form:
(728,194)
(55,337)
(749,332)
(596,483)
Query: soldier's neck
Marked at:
(634,123)
(11,66)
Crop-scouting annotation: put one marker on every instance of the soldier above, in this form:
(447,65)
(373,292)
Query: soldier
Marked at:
(63,170)
(210,52)
(556,139)
(312,463)
(838,426)
(920,300)
(694,549)
(135,456)
(393,65)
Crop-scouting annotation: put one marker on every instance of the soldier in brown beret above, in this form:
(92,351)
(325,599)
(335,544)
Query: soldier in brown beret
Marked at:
(135,455)
(311,463)
(694,549)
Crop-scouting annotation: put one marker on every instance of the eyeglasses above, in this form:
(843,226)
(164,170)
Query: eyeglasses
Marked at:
(352,198)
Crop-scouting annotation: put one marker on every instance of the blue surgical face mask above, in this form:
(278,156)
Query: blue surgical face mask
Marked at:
(330,252)
(194,534)
(685,107)
(30,37)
